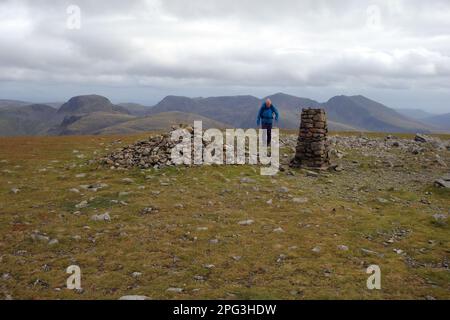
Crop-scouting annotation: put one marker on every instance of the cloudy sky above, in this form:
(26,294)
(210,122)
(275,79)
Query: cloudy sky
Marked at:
(394,51)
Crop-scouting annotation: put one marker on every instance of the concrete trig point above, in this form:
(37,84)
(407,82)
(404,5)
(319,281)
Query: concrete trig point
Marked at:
(312,148)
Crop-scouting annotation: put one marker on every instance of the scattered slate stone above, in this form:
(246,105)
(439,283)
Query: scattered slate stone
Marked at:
(443,182)
(79,291)
(175,290)
(310,173)
(6,276)
(283,189)
(366,251)
(422,138)
(101,217)
(97,186)
(440,219)
(246,222)
(327,272)
(316,249)
(40,283)
(127,180)
(278,230)
(300,200)
(82,204)
(136,274)
(15,190)
(37,236)
(149,210)
(80,175)
(247,180)
(53,242)
(343,247)
(214,241)
(209,266)
(74,190)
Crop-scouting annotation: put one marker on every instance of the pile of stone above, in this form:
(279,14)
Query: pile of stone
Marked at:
(154,152)
(443,182)
(312,148)
(434,142)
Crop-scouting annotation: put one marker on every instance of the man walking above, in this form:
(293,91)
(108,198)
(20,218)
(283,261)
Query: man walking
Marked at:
(265,118)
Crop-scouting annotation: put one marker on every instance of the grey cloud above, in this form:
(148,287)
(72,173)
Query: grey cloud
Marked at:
(228,44)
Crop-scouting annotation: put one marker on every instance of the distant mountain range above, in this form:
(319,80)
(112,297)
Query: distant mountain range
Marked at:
(439,122)
(415,113)
(94,114)
(442,121)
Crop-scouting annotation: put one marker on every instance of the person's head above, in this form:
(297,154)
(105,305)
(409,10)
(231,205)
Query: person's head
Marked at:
(268,102)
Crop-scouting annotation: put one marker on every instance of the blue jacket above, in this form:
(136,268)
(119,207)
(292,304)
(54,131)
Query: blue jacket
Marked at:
(265,115)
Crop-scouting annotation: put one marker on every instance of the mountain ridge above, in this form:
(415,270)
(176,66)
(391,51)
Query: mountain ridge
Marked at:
(94,114)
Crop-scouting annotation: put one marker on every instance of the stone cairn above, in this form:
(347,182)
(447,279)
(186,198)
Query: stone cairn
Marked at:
(154,152)
(312,148)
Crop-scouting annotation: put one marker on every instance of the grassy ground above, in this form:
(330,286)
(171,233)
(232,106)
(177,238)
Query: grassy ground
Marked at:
(194,241)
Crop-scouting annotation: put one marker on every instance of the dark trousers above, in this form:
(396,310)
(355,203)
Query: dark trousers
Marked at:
(268,127)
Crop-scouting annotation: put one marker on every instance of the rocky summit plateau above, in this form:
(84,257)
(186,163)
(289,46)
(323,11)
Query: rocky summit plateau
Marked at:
(140,227)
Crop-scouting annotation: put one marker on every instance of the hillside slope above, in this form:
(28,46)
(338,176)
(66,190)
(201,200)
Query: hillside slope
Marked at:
(290,108)
(161,121)
(88,104)
(135,109)
(368,115)
(441,122)
(32,119)
(234,110)
(415,114)
(7,104)
(90,123)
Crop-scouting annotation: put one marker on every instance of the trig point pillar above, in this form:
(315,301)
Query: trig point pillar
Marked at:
(312,149)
